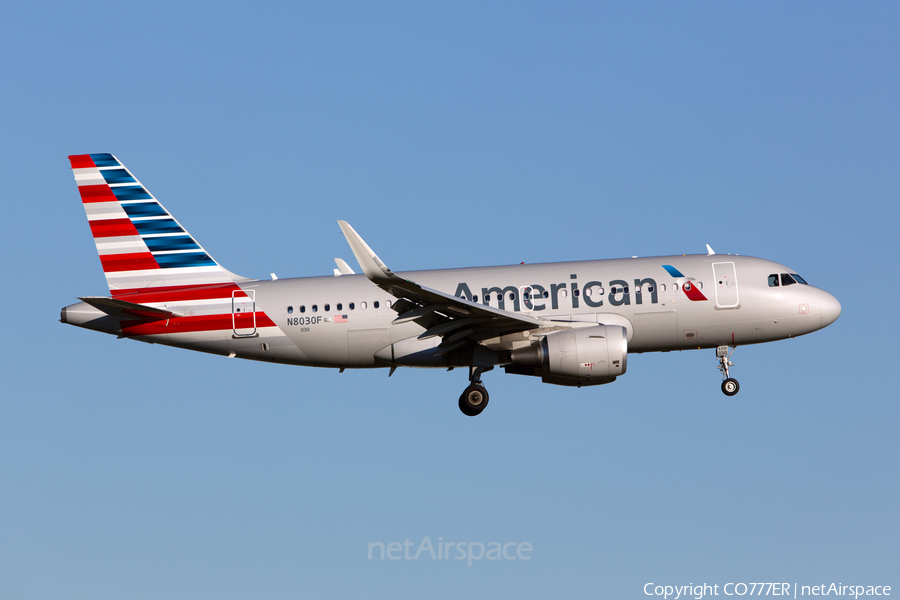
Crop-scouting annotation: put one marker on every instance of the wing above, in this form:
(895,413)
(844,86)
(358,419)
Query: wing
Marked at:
(459,322)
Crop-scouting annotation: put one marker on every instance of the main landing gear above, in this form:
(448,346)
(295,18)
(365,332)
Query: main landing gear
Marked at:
(730,386)
(474,398)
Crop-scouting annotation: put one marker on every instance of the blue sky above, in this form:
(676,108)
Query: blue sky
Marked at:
(451,135)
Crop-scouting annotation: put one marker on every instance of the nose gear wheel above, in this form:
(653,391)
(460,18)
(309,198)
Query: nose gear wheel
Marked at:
(730,386)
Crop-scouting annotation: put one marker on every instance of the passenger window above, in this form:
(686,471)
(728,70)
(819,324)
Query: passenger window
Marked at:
(327,307)
(475,298)
(512,296)
(340,306)
(563,293)
(388,303)
(302,309)
(787,279)
(675,286)
(315,308)
(487,298)
(662,287)
(546,294)
(375,304)
(773,280)
(362,305)
(576,292)
(290,310)
(650,289)
(352,306)
(700,284)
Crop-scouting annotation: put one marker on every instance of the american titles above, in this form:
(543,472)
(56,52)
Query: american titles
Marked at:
(536,297)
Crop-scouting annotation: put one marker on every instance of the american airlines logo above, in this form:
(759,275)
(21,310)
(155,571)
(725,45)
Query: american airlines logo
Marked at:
(593,294)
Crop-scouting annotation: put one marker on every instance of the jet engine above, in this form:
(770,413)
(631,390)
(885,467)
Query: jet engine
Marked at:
(584,356)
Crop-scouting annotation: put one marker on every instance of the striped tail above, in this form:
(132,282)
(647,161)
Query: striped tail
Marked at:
(142,247)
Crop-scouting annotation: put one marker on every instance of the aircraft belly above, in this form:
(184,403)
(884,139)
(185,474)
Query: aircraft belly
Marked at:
(365,343)
(722,332)
(270,345)
(330,344)
(405,331)
(655,331)
(324,345)
(792,326)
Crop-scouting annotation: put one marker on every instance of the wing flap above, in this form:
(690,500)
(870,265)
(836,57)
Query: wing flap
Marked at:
(416,313)
(448,327)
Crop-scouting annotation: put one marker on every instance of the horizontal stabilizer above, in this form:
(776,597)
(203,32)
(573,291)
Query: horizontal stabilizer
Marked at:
(127,310)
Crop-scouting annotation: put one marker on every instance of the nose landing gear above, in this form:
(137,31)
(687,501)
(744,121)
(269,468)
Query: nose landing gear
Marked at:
(474,398)
(730,386)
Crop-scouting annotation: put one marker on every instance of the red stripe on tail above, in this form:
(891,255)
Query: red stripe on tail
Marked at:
(96,193)
(112,228)
(128,262)
(81,161)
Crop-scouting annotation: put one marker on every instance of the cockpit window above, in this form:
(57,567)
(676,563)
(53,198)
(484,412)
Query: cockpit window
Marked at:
(798,279)
(787,279)
(773,280)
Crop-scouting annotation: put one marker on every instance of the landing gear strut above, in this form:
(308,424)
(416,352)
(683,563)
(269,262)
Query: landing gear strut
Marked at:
(730,386)
(474,398)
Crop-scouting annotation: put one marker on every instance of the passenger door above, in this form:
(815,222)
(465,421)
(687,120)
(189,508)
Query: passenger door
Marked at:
(726,285)
(243,314)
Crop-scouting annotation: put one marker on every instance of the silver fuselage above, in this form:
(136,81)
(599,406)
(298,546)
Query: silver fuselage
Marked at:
(309,321)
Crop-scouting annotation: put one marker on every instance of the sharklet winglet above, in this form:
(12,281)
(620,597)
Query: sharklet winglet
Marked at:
(371,265)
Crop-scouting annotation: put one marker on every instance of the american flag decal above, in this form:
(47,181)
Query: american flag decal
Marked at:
(340,318)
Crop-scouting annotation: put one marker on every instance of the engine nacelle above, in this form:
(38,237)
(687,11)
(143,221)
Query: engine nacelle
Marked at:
(584,356)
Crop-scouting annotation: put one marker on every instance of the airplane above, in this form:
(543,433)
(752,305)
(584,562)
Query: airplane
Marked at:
(569,323)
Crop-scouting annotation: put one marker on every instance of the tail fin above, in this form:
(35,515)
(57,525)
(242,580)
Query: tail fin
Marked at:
(140,244)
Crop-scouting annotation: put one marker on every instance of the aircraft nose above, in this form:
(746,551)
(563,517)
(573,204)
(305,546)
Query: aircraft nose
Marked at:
(831,309)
